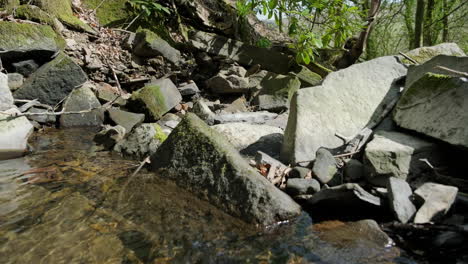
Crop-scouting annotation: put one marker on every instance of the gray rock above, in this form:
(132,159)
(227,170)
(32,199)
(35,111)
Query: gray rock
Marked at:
(297,186)
(242,53)
(142,142)
(394,154)
(399,195)
(345,103)
(249,138)
(423,54)
(107,93)
(25,68)
(189,88)
(157,97)
(299,172)
(416,72)
(80,99)
(125,119)
(307,77)
(229,80)
(437,198)
(42,119)
(276,91)
(349,194)
(324,166)
(15,81)
(280,121)
(52,81)
(14,134)
(6,98)
(171,124)
(202,110)
(260,117)
(354,170)
(216,172)
(239,105)
(149,44)
(109,136)
(436,106)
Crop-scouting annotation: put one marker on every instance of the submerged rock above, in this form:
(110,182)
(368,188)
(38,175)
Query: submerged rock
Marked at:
(14,134)
(399,195)
(201,161)
(437,198)
(142,142)
(149,44)
(52,81)
(345,103)
(6,98)
(81,99)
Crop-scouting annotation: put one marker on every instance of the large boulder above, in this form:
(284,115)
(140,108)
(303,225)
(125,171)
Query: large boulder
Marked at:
(6,98)
(394,154)
(52,81)
(345,103)
(23,40)
(14,134)
(437,106)
(82,99)
(242,53)
(201,161)
(149,44)
(157,97)
(423,54)
(276,91)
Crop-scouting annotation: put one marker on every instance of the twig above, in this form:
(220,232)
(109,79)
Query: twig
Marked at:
(133,21)
(464,74)
(145,161)
(97,7)
(30,104)
(116,79)
(408,58)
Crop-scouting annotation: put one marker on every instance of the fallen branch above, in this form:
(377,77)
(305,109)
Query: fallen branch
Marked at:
(116,80)
(97,7)
(145,161)
(463,74)
(409,58)
(29,104)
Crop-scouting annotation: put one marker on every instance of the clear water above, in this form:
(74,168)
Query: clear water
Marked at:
(69,202)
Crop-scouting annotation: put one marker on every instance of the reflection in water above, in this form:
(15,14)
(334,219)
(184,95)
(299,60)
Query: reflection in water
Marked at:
(61,205)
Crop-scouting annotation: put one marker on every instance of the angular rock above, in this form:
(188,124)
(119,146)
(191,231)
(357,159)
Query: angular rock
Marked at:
(349,194)
(423,54)
(229,80)
(19,41)
(187,89)
(297,186)
(26,67)
(394,154)
(436,106)
(15,81)
(276,92)
(81,99)
(307,77)
(324,166)
(239,105)
(52,81)
(125,119)
(109,136)
(242,53)
(399,195)
(249,138)
(279,121)
(157,98)
(108,93)
(149,44)
(437,198)
(202,110)
(216,172)
(63,11)
(345,103)
(260,117)
(416,72)
(14,134)
(42,119)
(142,142)
(6,98)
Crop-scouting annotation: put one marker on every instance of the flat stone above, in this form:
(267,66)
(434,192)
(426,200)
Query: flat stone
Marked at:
(349,194)
(187,89)
(399,195)
(15,81)
(437,198)
(436,106)
(125,119)
(297,186)
(53,81)
(14,134)
(214,171)
(324,166)
(260,117)
(345,103)
(6,98)
(142,142)
(394,154)
(149,44)
(80,99)
(157,98)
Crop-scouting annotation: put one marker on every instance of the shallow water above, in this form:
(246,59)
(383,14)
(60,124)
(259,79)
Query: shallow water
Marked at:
(69,202)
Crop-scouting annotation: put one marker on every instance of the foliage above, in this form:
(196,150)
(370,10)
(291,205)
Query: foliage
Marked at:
(263,43)
(149,9)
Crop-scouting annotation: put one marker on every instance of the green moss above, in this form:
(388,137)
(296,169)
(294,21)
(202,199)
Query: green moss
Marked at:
(153,99)
(111,12)
(160,135)
(62,9)
(26,35)
(9,5)
(34,13)
(424,89)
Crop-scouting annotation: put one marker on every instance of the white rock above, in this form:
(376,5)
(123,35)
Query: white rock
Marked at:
(437,198)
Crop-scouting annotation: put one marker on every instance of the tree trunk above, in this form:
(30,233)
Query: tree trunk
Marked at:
(409,21)
(445,29)
(428,32)
(418,24)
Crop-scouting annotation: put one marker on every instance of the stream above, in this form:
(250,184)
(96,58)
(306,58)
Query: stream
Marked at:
(70,202)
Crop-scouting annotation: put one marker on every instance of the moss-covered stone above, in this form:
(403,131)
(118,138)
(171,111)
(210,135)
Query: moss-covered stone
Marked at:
(307,77)
(9,5)
(149,44)
(35,14)
(200,160)
(424,54)
(160,135)
(110,13)
(62,9)
(27,37)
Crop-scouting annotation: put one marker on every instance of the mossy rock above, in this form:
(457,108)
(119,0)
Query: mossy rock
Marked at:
(423,54)
(62,9)
(9,5)
(150,44)
(307,77)
(111,12)
(35,14)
